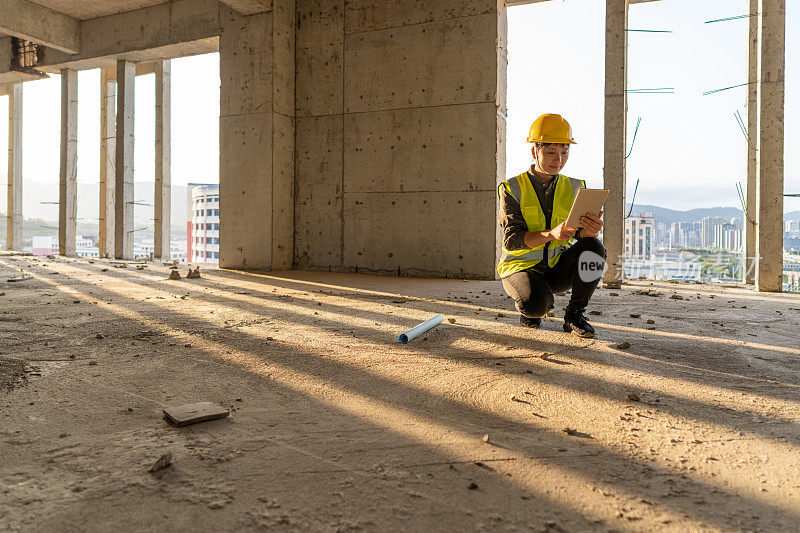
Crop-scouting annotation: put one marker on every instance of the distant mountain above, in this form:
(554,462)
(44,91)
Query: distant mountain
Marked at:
(668,216)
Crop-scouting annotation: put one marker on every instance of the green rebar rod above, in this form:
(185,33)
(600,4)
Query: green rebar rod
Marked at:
(737,17)
(652,31)
(725,88)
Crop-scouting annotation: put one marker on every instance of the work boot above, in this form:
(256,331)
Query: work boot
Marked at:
(576,323)
(530,322)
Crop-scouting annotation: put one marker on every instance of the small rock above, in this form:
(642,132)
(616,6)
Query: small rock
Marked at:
(163,462)
(98,336)
(451,320)
(623,345)
(632,396)
(651,321)
(239,400)
(500,315)
(486,438)
(72,356)
(472,486)
(551,314)
(193,273)
(130,409)
(63,435)
(512,397)
(635,315)
(92,363)
(174,274)
(595,313)
(676,297)
(187,345)
(76,301)
(103,270)
(613,294)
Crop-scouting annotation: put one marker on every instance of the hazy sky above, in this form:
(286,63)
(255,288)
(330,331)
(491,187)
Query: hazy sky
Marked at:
(688,153)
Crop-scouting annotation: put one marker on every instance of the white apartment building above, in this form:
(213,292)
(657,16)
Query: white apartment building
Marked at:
(639,237)
(203,232)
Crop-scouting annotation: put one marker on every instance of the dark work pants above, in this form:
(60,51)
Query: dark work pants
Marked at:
(533,291)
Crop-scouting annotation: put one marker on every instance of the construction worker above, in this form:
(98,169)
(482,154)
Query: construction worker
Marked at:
(541,255)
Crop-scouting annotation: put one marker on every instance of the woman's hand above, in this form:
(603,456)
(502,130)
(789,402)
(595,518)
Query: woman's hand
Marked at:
(562,232)
(591,224)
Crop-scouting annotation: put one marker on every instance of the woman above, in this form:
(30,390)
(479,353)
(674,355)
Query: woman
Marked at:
(540,253)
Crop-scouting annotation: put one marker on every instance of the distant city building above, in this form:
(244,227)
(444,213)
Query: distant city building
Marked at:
(639,237)
(709,225)
(792,225)
(727,237)
(202,235)
(48,245)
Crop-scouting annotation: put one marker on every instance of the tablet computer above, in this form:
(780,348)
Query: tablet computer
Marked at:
(587,201)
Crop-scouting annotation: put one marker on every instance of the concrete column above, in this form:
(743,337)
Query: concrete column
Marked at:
(616,108)
(68,190)
(163,185)
(751,215)
(123,168)
(14,205)
(771,86)
(257,136)
(108,95)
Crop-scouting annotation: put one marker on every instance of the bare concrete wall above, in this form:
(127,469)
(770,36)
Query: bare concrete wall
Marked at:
(398,120)
(257,138)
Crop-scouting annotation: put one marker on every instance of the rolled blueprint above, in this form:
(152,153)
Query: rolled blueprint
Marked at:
(418,330)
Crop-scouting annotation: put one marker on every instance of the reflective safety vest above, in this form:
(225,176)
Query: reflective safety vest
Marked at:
(522,190)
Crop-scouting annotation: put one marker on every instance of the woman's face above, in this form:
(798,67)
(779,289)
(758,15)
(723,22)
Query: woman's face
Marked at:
(551,159)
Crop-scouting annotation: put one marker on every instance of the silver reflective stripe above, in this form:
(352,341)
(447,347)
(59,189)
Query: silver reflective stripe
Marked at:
(516,191)
(576,185)
(551,253)
(533,255)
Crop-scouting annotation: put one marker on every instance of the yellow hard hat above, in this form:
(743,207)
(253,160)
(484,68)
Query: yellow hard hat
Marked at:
(551,128)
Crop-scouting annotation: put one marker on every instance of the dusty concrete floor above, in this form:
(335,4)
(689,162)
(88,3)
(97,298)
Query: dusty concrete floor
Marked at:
(336,426)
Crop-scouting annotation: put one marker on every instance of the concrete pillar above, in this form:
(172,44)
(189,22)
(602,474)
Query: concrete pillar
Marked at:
(123,168)
(771,86)
(751,215)
(108,95)
(616,108)
(14,205)
(68,190)
(163,185)
(257,79)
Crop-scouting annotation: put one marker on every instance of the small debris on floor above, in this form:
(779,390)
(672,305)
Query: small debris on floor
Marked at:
(632,396)
(676,297)
(451,320)
(570,431)
(163,462)
(486,438)
(651,321)
(623,345)
(193,274)
(595,313)
(192,413)
(141,267)
(98,336)
(92,363)
(512,397)
(551,314)
(635,315)
(472,486)
(174,274)
(500,315)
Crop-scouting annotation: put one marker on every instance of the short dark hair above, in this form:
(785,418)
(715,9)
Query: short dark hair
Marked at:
(544,145)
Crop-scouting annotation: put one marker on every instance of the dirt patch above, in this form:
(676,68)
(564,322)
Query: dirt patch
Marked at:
(12,373)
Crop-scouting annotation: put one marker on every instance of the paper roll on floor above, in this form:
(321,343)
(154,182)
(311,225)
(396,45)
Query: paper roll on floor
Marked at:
(418,330)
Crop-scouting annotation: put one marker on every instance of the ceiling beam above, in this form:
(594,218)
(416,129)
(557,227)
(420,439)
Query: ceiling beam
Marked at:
(32,22)
(249,7)
(511,3)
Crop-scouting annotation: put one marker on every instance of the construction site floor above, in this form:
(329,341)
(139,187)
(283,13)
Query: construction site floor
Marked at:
(683,414)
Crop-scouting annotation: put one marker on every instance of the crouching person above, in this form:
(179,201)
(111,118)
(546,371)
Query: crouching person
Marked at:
(541,255)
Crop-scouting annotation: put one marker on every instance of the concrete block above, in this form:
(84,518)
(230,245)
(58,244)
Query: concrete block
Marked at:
(282,191)
(319,79)
(415,233)
(436,63)
(246,191)
(246,65)
(449,148)
(369,15)
(319,21)
(318,203)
